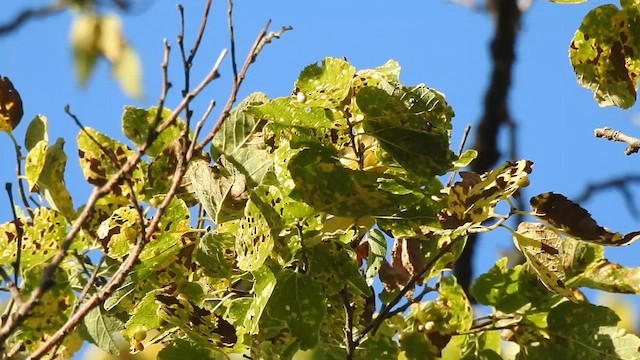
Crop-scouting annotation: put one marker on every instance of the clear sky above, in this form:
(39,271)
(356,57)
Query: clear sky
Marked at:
(437,42)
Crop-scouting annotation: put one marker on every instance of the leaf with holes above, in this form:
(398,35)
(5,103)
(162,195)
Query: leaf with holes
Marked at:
(326,85)
(254,240)
(299,301)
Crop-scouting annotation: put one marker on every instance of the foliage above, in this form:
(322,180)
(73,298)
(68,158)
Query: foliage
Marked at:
(303,194)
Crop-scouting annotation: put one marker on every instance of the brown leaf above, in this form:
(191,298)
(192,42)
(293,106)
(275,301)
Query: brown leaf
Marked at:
(10,105)
(571,219)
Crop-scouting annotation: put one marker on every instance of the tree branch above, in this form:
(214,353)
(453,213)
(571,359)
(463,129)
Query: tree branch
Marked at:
(32,13)
(496,113)
(615,135)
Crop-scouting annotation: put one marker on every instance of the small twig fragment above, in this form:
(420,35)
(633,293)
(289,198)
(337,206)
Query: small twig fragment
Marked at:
(615,135)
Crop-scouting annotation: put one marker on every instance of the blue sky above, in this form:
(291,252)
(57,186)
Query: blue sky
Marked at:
(437,42)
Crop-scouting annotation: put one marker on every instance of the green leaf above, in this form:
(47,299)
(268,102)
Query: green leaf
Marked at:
(263,287)
(324,183)
(584,331)
(609,276)
(333,266)
(36,132)
(190,349)
(377,252)
(288,111)
(254,240)
(98,327)
(137,123)
(604,55)
(412,124)
(143,317)
(465,159)
(506,289)
(430,325)
(241,141)
(326,85)
(300,302)
(484,345)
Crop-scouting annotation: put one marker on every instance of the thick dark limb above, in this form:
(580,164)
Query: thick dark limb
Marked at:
(496,113)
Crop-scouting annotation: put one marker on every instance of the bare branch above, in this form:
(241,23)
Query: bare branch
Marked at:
(465,134)
(506,16)
(348,327)
(232,42)
(615,135)
(32,13)
(621,183)
(22,313)
(259,43)
(12,286)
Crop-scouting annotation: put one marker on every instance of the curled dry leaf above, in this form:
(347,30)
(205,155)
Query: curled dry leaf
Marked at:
(11,110)
(406,261)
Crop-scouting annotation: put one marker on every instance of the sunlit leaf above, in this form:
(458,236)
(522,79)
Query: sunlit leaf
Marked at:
(604,55)
(326,85)
(36,132)
(473,199)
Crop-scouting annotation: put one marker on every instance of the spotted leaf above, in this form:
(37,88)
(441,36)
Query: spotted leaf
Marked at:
(326,85)
(473,199)
(137,123)
(541,248)
(102,157)
(604,55)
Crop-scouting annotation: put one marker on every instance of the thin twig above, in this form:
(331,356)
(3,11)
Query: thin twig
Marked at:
(506,16)
(23,193)
(22,313)
(19,233)
(260,42)
(11,285)
(32,13)
(232,42)
(615,135)
(621,183)
(386,311)
(83,293)
(121,273)
(348,328)
(19,346)
(465,134)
